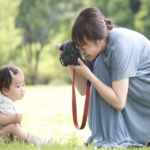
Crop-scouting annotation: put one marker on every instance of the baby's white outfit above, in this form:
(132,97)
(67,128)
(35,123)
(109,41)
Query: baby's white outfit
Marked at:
(7,107)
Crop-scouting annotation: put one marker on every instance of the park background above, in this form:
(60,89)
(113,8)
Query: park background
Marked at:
(29,32)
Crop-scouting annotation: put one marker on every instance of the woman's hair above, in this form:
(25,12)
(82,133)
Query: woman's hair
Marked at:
(5,76)
(90,25)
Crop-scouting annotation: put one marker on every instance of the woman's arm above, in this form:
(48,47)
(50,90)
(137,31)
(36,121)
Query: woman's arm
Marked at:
(115,95)
(80,82)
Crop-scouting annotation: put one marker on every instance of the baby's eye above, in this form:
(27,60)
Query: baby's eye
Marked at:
(18,86)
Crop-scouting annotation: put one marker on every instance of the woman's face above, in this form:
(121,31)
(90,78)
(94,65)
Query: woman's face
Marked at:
(91,50)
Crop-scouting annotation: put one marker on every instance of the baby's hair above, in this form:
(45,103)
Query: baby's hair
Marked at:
(5,76)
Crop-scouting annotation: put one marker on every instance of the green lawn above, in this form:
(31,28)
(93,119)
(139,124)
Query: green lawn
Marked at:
(47,110)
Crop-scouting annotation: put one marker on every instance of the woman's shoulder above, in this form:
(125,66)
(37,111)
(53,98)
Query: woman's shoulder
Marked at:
(126,39)
(126,35)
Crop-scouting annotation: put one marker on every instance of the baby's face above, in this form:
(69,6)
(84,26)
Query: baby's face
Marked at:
(17,88)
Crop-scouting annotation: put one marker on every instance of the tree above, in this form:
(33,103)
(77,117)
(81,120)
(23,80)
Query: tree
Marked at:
(40,20)
(118,11)
(35,18)
(142,21)
(9,35)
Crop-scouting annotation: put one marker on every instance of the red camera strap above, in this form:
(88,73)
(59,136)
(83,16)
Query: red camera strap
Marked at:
(74,109)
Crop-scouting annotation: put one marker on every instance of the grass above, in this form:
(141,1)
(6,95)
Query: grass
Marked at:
(47,110)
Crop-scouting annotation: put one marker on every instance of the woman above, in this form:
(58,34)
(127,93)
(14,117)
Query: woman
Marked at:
(119,109)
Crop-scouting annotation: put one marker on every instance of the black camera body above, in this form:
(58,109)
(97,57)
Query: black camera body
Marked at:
(70,55)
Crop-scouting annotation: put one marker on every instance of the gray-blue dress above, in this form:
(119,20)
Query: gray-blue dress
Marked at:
(127,55)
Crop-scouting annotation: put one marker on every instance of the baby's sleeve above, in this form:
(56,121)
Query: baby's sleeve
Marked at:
(6,107)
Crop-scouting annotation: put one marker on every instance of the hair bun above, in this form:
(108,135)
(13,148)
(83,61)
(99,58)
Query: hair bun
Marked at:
(109,23)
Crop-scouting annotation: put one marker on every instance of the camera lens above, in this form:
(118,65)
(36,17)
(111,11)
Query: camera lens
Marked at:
(65,59)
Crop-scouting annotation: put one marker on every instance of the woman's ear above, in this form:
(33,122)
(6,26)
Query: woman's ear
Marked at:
(5,91)
(101,41)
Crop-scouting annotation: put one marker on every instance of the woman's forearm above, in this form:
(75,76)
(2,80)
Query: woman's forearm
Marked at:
(80,82)
(115,95)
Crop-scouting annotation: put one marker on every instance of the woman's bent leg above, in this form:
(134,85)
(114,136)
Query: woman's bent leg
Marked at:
(106,123)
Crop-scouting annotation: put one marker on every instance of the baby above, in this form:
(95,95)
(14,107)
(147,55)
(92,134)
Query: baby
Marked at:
(12,88)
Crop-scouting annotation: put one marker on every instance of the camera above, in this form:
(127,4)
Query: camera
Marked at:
(70,55)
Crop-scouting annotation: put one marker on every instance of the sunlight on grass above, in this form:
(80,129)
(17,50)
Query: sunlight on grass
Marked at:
(47,110)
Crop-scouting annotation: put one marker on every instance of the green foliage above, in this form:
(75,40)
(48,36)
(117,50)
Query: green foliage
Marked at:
(142,22)
(30,30)
(9,35)
(36,18)
(73,141)
(40,21)
(135,5)
(121,15)
(118,11)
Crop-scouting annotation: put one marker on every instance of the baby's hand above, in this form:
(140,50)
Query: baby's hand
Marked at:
(17,118)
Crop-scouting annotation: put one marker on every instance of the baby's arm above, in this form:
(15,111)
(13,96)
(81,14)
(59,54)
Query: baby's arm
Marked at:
(6,120)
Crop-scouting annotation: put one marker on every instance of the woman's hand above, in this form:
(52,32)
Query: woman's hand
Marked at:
(81,69)
(58,51)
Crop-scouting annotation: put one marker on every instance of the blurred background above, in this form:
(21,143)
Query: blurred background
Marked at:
(30,30)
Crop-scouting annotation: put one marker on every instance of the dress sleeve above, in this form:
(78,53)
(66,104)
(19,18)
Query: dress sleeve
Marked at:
(124,59)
